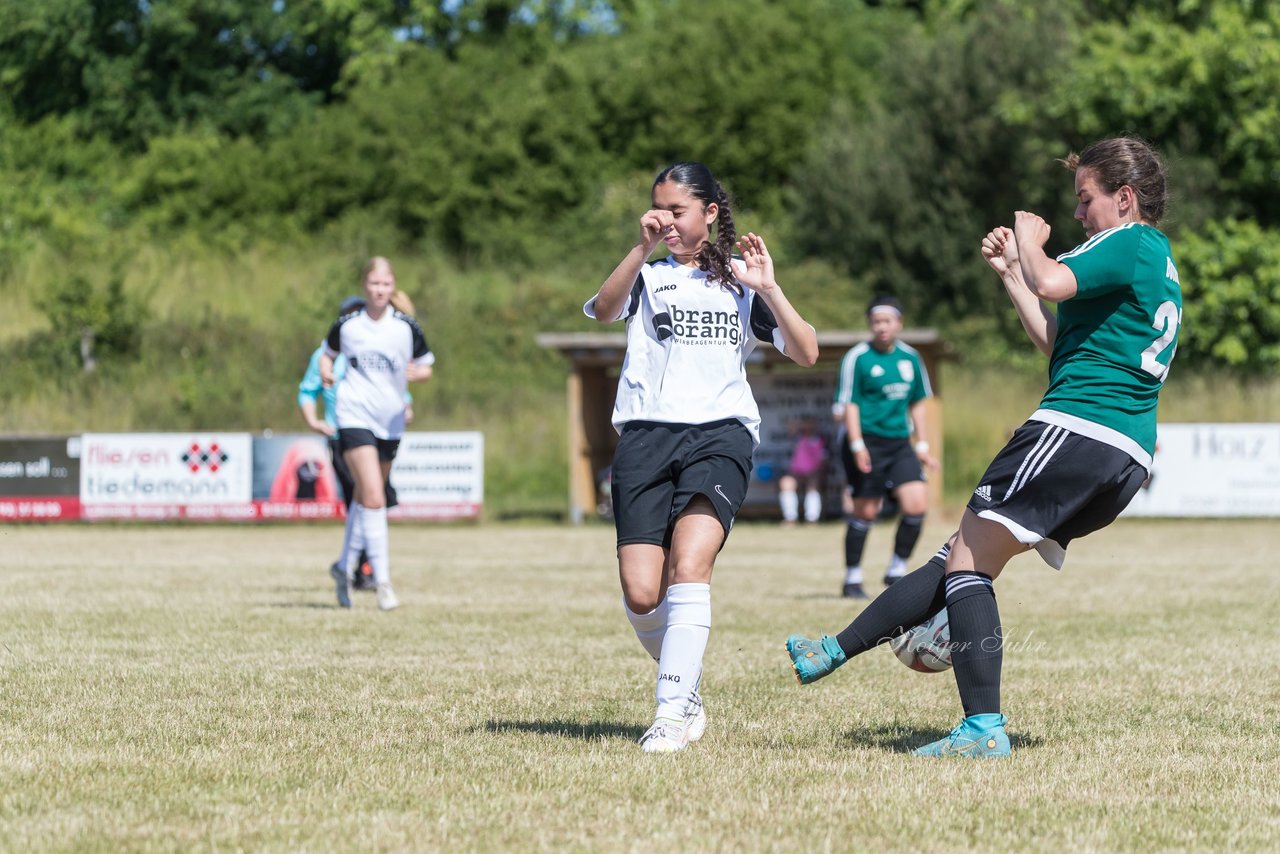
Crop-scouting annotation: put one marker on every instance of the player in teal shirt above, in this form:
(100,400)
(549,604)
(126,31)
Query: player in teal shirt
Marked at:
(1080,458)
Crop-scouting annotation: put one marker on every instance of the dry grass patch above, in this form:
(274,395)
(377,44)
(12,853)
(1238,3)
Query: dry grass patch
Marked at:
(195,687)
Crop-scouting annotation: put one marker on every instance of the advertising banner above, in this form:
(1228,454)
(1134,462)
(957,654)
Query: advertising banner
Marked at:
(40,479)
(439,476)
(293,478)
(157,476)
(1213,470)
(786,401)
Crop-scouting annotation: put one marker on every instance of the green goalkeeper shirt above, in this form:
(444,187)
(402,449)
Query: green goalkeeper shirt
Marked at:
(1116,338)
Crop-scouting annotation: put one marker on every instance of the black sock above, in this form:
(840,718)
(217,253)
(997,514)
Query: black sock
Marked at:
(855,539)
(904,541)
(977,643)
(909,602)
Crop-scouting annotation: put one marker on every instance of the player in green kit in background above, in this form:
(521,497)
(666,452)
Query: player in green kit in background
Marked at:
(1081,456)
(880,398)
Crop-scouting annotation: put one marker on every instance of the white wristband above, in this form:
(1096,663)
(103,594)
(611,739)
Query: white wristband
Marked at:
(857,445)
(922,447)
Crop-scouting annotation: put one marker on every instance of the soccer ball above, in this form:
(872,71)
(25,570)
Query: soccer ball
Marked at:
(926,647)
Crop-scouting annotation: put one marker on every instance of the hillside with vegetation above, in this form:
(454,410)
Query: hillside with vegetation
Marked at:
(187,189)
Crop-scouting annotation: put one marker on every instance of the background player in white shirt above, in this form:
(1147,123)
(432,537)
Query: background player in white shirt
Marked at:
(687,419)
(385,351)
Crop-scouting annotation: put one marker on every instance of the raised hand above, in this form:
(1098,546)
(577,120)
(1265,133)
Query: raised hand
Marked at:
(758,266)
(1029,229)
(1000,250)
(654,226)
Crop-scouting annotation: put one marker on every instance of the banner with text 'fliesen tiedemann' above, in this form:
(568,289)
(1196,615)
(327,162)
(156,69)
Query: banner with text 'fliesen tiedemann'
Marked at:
(208,476)
(162,476)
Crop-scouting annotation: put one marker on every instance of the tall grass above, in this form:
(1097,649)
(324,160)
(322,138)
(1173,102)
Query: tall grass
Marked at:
(984,403)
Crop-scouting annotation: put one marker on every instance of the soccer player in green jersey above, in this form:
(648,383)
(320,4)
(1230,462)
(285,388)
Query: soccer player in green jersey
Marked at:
(880,398)
(1081,456)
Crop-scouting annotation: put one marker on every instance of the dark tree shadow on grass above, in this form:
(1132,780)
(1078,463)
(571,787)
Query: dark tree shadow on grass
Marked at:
(901,738)
(567,729)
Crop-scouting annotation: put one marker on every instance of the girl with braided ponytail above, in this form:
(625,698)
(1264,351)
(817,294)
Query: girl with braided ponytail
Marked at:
(687,420)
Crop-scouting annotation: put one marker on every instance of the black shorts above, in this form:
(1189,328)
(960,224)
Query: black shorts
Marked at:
(659,468)
(1049,486)
(359,437)
(893,463)
(348,483)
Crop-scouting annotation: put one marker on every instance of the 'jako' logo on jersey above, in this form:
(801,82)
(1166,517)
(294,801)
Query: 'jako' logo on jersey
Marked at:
(706,327)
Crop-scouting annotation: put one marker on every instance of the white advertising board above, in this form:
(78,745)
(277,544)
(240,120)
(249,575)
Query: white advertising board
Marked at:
(1213,470)
(166,476)
(439,476)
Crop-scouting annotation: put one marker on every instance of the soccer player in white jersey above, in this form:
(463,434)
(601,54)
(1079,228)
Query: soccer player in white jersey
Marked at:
(1081,456)
(385,350)
(687,420)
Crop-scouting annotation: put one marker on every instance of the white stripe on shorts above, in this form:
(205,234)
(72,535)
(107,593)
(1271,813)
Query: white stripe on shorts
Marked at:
(1034,462)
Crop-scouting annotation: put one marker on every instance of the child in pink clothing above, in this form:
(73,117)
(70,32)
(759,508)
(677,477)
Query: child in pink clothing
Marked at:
(808,465)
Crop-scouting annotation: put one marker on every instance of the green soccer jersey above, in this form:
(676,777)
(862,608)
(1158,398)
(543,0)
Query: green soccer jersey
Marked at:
(883,385)
(1116,338)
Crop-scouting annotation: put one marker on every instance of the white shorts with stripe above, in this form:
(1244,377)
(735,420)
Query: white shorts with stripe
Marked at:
(1050,485)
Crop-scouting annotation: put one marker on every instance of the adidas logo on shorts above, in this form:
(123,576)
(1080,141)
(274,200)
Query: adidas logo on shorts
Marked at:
(983,492)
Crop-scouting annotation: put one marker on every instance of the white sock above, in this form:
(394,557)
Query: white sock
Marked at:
(353,539)
(790,505)
(649,627)
(812,506)
(680,665)
(853,575)
(897,567)
(374,523)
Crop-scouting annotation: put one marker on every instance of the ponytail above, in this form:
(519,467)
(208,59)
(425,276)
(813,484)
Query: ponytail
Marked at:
(715,259)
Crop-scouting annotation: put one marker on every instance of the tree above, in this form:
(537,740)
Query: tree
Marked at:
(900,190)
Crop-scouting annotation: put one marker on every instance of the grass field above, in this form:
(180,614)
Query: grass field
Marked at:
(196,688)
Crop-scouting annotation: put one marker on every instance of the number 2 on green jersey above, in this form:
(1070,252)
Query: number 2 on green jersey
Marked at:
(1168,318)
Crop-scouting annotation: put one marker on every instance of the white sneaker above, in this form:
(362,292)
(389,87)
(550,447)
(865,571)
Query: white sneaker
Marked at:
(665,736)
(342,585)
(387,600)
(695,718)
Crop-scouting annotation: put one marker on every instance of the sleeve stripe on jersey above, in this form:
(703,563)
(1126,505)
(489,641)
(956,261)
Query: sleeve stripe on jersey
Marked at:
(333,341)
(844,387)
(1095,240)
(763,323)
(420,346)
(633,301)
(924,372)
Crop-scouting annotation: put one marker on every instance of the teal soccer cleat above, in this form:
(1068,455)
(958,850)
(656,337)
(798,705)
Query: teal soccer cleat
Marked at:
(977,737)
(813,659)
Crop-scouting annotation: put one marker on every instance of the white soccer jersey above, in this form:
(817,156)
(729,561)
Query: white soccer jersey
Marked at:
(687,345)
(372,394)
